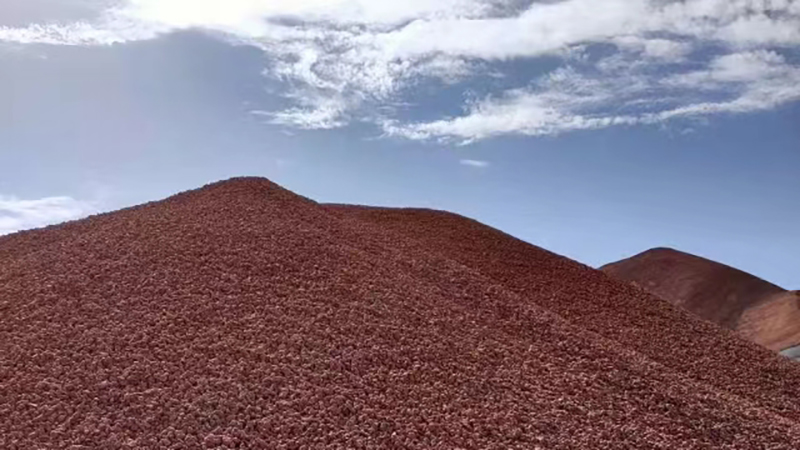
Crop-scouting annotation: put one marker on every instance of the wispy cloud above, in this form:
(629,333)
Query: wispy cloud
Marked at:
(17,214)
(568,100)
(341,60)
(474,163)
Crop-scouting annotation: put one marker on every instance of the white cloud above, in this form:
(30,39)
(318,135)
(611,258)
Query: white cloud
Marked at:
(316,112)
(745,67)
(567,100)
(663,49)
(517,112)
(753,81)
(17,214)
(342,60)
(761,29)
(474,163)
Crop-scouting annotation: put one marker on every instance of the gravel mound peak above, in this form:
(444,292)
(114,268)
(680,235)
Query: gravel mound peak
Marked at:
(241,315)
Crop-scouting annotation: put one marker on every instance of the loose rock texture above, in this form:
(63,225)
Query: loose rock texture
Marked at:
(241,315)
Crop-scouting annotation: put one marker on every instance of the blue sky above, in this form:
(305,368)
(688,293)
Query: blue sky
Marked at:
(596,129)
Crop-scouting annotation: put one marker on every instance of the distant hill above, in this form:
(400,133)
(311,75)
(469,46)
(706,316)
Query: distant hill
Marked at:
(761,311)
(711,290)
(774,323)
(242,315)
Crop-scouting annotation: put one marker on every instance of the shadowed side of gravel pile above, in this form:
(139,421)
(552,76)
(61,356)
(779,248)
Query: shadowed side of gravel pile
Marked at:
(243,316)
(591,300)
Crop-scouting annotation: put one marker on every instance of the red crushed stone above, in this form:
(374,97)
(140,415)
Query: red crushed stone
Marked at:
(713,291)
(621,312)
(243,316)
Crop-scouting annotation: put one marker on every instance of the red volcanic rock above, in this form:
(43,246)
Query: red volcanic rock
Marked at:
(241,315)
(713,291)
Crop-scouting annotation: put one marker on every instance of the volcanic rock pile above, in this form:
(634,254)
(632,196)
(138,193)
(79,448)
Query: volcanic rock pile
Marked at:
(759,310)
(241,315)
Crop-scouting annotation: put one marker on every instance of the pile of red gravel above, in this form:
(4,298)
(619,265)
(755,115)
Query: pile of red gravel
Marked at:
(241,315)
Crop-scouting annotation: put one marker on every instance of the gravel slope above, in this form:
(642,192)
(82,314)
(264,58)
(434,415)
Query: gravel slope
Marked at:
(618,311)
(241,315)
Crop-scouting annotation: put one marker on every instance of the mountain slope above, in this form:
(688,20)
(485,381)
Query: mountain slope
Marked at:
(713,291)
(241,315)
(774,323)
(760,311)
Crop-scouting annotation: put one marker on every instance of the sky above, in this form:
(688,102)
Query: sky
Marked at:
(594,128)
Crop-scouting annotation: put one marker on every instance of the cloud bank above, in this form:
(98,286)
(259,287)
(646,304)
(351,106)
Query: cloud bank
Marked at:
(620,62)
(17,214)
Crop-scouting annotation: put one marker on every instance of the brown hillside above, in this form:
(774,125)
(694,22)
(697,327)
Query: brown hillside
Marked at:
(775,323)
(713,291)
(241,315)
